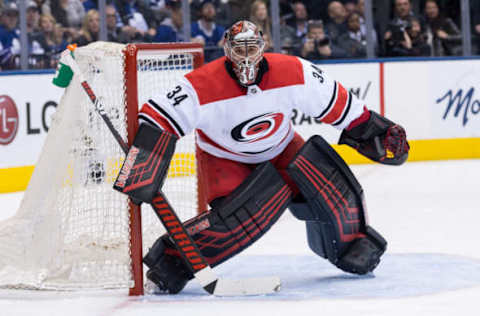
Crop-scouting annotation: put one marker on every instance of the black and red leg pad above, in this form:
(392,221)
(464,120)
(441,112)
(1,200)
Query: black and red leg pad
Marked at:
(332,204)
(238,220)
(146,164)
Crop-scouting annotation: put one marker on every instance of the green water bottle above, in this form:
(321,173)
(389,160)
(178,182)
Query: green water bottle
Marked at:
(63,75)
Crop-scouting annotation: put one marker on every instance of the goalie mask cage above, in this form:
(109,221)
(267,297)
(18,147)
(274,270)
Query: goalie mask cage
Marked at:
(72,230)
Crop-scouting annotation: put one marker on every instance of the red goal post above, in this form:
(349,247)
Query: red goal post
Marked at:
(132,53)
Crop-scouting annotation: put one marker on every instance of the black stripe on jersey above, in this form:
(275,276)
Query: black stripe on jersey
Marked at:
(346,110)
(147,118)
(330,104)
(255,152)
(167,116)
(144,117)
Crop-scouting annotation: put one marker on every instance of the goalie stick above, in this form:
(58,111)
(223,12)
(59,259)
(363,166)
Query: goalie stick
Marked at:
(185,245)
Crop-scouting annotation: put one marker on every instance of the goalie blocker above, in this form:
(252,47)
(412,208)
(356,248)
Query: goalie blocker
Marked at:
(233,224)
(146,164)
(332,204)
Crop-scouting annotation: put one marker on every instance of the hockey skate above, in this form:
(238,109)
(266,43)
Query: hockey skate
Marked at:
(167,272)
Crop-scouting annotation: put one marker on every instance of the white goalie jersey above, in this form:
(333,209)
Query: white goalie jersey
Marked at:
(250,125)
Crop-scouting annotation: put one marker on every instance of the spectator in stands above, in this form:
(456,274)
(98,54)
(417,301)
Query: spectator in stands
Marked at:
(113,28)
(38,49)
(475,14)
(350,6)
(9,36)
(360,9)
(137,14)
(43,6)
(75,13)
(90,28)
(240,9)
(337,17)
(299,20)
(223,11)
(259,16)
(69,13)
(414,42)
(353,41)
(207,32)
(171,28)
(316,44)
(116,31)
(449,8)
(59,12)
(159,9)
(90,4)
(421,46)
(223,15)
(54,37)
(396,29)
(285,9)
(447,37)
(317,9)
(288,39)
(289,42)
(33,17)
(157,5)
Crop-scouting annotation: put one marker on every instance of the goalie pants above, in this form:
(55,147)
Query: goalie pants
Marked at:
(219,177)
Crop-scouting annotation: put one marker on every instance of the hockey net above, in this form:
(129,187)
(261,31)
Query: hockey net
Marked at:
(72,230)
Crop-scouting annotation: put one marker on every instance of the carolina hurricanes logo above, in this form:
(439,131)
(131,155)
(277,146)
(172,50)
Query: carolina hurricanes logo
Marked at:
(257,128)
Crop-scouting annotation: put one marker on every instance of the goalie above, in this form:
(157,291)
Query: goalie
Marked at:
(253,165)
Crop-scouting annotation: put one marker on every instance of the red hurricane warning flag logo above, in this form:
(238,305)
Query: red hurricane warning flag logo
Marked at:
(8,120)
(257,128)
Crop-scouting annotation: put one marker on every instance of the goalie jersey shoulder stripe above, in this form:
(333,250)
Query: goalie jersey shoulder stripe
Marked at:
(345,112)
(337,106)
(332,99)
(152,111)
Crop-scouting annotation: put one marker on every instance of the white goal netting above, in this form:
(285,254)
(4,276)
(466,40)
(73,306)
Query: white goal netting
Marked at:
(72,229)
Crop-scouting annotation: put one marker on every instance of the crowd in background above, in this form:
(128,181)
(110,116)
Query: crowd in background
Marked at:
(313,29)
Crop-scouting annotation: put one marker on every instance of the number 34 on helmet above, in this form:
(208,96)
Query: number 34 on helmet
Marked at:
(244,47)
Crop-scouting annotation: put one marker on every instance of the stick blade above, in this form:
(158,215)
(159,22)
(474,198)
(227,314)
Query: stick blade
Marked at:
(251,286)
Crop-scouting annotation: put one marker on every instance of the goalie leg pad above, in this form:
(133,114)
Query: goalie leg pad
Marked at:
(243,216)
(235,222)
(146,164)
(333,206)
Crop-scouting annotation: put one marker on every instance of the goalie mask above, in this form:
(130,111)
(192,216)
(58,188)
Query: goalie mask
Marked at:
(244,47)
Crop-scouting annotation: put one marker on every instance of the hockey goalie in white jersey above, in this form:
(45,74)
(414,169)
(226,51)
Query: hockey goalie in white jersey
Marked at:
(252,164)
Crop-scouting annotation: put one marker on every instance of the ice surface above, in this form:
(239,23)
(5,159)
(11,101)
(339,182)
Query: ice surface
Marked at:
(428,212)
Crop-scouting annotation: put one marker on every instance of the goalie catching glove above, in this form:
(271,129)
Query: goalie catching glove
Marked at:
(378,139)
(146,164)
